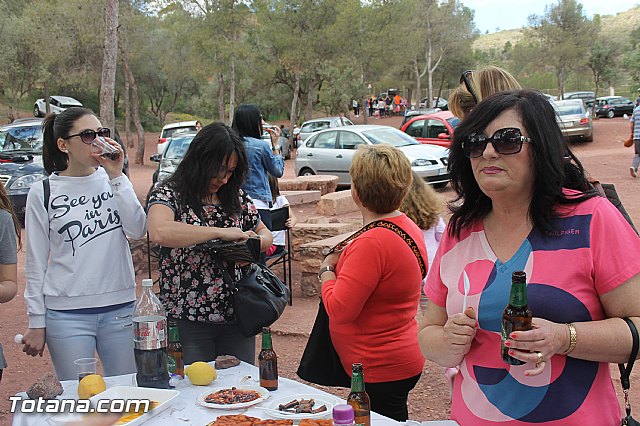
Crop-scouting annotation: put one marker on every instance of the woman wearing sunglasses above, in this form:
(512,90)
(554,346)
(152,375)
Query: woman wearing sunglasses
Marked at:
(524,204)
(80,282)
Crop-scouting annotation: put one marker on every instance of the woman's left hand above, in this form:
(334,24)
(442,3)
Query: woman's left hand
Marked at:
(331,260)
(539,344)
(111,166)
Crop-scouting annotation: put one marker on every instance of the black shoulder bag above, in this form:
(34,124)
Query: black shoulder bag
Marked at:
(625,373)
(320,363)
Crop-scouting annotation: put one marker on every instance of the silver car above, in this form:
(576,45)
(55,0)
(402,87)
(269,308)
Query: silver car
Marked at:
(574,119)
(310,127)
(330,152)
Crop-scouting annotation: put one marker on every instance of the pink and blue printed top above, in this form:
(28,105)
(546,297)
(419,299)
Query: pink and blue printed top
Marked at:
(591,251)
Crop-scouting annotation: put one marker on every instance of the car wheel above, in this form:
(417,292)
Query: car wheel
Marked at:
(588,138)
(36,111)
(611,113)
(306,172)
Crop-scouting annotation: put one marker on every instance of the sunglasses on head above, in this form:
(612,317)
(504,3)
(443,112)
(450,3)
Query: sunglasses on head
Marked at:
(464,78)
(88,136)
(505,141)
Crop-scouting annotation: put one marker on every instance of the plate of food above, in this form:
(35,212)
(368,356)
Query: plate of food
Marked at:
(146,402)
(301,407)
(232,398)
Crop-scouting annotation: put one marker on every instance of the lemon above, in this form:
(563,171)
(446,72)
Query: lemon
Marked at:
(200,373)
(91,385)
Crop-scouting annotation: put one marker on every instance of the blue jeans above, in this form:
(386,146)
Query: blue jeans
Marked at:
(70,336)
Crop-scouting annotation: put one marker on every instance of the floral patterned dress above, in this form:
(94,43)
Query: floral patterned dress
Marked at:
(191,283)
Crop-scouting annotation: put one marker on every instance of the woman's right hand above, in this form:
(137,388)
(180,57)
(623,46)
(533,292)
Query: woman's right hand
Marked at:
(459,331)
(233,234)
(34,340)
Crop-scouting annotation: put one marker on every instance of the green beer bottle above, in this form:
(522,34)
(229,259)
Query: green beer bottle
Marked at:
(517,315)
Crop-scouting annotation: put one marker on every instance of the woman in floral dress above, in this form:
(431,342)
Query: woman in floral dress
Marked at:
(202,201)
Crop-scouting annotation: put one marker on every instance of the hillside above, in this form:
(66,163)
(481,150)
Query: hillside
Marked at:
(622,23)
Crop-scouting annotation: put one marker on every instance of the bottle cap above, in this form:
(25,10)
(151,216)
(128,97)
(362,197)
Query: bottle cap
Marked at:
(343,414)
(18,338)
(147,282)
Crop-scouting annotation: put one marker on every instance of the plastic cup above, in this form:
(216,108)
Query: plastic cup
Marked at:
(85,367)
(104,148)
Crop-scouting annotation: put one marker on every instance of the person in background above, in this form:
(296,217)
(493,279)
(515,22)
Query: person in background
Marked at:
(423,205)
(203,201)
(198,126)
(371,288)
(477,85)
(524,204)
(80,280)
(263,160)
(9,246)
(279,201)
(634,124)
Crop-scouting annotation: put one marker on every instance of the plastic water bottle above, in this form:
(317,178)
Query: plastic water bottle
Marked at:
(18,339)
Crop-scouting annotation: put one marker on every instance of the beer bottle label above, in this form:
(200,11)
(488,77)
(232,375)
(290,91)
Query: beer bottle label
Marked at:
(171,364)
(149,332)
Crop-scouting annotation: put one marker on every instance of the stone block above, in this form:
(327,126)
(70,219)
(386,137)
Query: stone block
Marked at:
(336,203)
(310,256)
(326,184)
(292,184)
(304,233)
(301,197)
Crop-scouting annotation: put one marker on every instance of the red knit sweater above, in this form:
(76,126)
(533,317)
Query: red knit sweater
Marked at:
(373,302)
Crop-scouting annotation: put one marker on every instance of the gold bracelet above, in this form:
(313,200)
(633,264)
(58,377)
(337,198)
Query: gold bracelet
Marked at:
(573,338)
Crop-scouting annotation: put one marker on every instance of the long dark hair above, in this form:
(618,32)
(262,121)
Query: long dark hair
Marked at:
(5,204)
(208,152)
(554,165)
(54,127)
(247,121)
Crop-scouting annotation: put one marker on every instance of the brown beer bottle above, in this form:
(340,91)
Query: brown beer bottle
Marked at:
(358,398)
(175,361)
(268,362)
(517,315)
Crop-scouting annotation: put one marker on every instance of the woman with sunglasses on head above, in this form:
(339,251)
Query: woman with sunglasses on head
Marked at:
(524,204)
(80,287)
(200,202)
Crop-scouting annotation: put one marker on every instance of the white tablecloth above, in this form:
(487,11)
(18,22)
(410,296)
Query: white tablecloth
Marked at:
(185,411)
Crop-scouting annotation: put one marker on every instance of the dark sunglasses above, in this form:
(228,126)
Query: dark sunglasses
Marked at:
(505,141)
(88,136)
(464,78)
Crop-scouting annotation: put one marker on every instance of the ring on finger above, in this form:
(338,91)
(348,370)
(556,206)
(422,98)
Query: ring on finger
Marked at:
(540,359)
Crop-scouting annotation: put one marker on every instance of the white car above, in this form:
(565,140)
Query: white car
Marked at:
(57,104)
(170,129)
(330,152)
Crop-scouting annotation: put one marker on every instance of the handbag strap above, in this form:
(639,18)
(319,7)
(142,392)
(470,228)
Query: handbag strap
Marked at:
(625,372)
(391,226)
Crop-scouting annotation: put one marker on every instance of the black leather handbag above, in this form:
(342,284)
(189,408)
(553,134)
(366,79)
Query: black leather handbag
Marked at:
(259,298)
(625,373)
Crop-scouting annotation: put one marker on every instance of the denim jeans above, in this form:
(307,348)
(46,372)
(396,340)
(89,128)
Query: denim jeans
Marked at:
(205,341)
(70,336)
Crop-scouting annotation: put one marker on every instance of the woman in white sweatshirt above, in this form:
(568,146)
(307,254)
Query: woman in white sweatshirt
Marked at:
(80,287)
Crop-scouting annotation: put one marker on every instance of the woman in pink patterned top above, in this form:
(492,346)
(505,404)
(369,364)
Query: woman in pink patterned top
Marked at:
(524,204)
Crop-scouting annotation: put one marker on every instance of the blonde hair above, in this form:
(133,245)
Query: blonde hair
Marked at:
(422,204)
(484,82)
(381,174)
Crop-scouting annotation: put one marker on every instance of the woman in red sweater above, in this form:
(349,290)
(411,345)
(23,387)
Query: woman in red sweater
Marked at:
(371,288)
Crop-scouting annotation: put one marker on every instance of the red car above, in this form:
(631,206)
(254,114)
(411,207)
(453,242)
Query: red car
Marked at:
(436,128)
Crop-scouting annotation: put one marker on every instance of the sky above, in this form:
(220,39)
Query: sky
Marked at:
(512,14)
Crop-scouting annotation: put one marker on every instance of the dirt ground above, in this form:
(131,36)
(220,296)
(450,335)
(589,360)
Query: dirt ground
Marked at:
(605,159)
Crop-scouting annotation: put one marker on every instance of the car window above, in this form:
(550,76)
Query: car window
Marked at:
(434,128)
(568,109)
(349,140)
(170,132)
(326,140)
(178,147)
(54,102)
(415,129)
(346,122)
(389,135)
(453,121)
(21,138)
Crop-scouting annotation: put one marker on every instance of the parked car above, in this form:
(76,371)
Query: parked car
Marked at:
(549,97)
(410,113)
(436,102)
(330,152)
(283,141)
(436,128)
(169,129)
(311,126)
(172,155)
(574,119)
(612,106)
(21,160)
(57,104)
(587,97)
